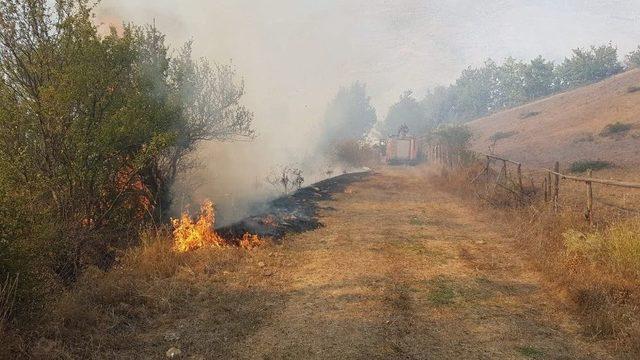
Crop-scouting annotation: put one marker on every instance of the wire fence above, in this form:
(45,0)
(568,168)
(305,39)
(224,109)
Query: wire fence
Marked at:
(509,177)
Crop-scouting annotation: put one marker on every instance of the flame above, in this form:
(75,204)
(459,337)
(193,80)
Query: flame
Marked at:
(189,235)
(249,241)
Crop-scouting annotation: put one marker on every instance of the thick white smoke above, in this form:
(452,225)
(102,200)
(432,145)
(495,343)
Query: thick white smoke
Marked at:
(295,54)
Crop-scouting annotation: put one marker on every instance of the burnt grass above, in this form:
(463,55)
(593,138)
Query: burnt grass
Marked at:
(294,213)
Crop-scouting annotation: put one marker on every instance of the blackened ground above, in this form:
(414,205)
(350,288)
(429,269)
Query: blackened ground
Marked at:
(293,213)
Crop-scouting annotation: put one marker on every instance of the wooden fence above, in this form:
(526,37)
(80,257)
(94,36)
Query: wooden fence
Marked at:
(440,155)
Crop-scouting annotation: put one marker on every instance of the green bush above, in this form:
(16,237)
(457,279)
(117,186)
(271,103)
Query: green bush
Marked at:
(500,135)
(94,130)
(455,137)
(584,165)
(633,89)
(616,128)
(529,114)
(585,138)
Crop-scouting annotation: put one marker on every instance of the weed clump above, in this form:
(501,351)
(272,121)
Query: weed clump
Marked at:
(584,165)
(617,247)
(633,89)
(500,135)
(529,114)
(617,128)
(585,138)
(531,352)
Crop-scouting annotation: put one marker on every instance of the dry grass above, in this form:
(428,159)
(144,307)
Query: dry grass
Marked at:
(399,270)
(565,121)
(7,299)
(109,312)
(598,267)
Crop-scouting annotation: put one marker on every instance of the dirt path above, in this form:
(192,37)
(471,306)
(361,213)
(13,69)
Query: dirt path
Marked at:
(404,271)
(400,271)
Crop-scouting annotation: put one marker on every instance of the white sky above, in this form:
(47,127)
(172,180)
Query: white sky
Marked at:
(294,54)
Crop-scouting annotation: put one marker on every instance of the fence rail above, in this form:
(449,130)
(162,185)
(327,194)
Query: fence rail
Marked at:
(551,182)
(616,183)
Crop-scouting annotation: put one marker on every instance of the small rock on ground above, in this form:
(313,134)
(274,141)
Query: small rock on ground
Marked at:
(174,353)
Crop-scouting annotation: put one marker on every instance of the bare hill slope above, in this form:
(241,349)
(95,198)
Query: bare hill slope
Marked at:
(568,126)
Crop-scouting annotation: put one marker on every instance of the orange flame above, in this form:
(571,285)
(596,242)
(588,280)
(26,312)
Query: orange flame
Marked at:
(189,235)
(249,241)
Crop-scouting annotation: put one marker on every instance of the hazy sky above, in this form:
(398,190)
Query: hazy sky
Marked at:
(295,54)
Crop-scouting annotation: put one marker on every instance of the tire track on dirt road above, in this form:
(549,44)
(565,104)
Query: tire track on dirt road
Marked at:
(404,271)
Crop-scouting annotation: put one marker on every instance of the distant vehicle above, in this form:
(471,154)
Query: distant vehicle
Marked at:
(402,148)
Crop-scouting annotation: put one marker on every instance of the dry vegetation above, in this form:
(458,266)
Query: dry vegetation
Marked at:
(357,154)
(569,126)
(140,303)
(108,312)
(400,270)
(597,266)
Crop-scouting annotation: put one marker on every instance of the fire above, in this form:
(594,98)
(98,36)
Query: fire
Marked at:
(189,235)
(249,241)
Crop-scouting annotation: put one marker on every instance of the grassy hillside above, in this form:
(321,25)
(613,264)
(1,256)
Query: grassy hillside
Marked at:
(571,126)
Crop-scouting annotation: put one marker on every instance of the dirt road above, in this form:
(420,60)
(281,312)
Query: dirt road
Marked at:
(400,271)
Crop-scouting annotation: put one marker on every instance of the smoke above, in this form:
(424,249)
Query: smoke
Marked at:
(295,54)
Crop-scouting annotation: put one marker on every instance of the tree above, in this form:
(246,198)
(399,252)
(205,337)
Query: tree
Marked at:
(407,111)
(476,91)
(93,130)
(633,58)
(455,137)
(349,116)
(439,106)
(491,87)
(510,84)
(539,78)
(586,66)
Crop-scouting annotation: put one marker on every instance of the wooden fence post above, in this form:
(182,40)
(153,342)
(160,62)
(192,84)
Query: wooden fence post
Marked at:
(504,169)
(590,198)
(556,186)
(549,185)
(545,186)
(520,178)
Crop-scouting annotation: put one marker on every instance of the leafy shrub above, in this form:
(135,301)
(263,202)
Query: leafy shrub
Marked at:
(94,130)
(633,89)
(585,138)
(616,128)
(500,135)
(584,165)
(529,114)
(455,137)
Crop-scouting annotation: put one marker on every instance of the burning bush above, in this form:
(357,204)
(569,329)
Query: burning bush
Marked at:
(189,235)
